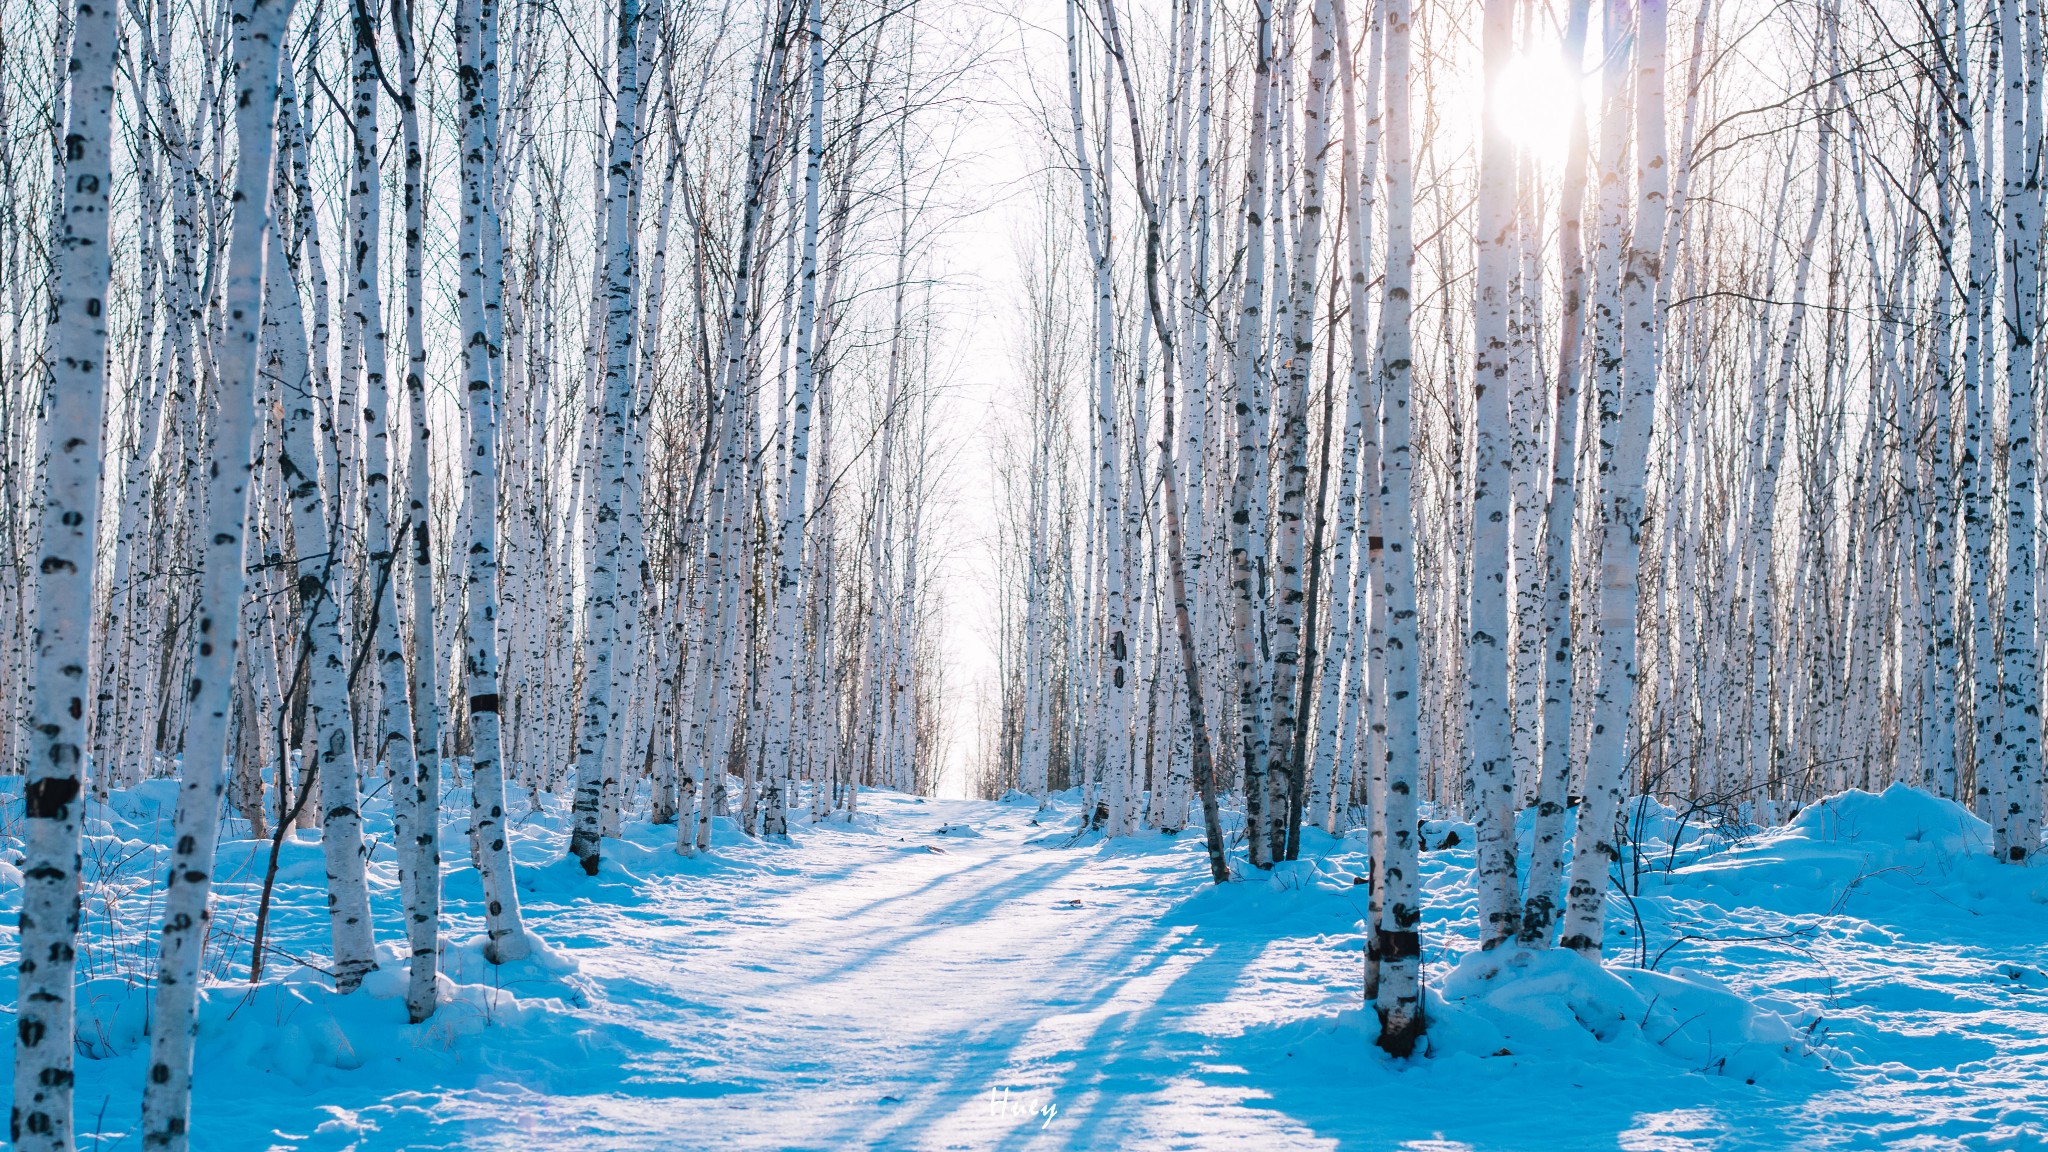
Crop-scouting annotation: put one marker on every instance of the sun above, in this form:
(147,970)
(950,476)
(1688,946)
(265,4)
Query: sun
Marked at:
(1533,102)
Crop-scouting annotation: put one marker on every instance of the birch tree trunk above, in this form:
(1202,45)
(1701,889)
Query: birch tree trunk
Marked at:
(174,1021)
(423,911)
(1939,724)
(328,720)
(1488,719)
(1399,999)
(1115,651)
(1624,448)
(789,543)
(1546,855)
(417,865)
(1977,466)
(729,487)
(2017,824)
(1289,548)
(1246,493)
(621,263)
(1336,710)
(1204,765)
(53,789)
(476,33)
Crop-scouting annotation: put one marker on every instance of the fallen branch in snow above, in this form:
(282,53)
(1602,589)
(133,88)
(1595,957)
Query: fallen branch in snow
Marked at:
(1842,897)
(1690,937)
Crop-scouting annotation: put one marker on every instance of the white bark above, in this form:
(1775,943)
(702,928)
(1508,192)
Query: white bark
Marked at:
(789,544)
(2016,823)
(418,867)
(1114,654)
(1978,466)
(329,723)
(423,900)
(1337,709)
(1546,855)
(53,789)
(476,35)
(1289,724)
(174,1022)
(621,280)
(1247,540)
(1400,919)
(1624,447)
(1488,721)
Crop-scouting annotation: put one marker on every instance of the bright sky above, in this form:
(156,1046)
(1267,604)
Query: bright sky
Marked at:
(977,255)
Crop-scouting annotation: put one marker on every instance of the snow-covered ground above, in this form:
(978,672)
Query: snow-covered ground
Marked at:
(958,974)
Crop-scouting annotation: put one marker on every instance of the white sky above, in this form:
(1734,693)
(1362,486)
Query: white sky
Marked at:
(977,256)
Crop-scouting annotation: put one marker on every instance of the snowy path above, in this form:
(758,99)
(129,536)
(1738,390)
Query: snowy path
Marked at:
(895,985)
(911,987)
(888,985)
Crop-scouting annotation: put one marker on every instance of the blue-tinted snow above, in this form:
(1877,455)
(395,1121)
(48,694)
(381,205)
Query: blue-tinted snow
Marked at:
(974,975)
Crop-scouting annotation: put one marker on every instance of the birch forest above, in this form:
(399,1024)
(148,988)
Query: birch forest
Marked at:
(1067,574)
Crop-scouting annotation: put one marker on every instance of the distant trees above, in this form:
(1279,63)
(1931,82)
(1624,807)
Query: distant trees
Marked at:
(1648,450)
(303,487)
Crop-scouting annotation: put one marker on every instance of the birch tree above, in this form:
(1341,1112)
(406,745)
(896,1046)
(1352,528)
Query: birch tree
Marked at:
(476,37)
(167,1093)
(2017,826)
(789,542)
(1397,934)
(53,790)
(621,262)
(1486,659)
(1624,445)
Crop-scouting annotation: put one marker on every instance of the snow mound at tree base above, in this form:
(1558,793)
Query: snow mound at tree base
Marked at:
(295,1026)
(1901,824)
(307,1031)
(1901,844)
(1555,1004)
